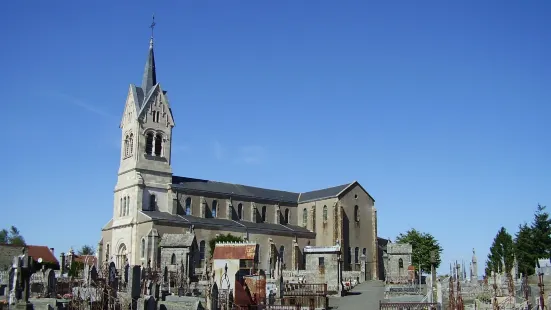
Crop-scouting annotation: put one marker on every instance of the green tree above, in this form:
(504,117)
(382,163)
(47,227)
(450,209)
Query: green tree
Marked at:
(541,233)
(75,269)
(524,250)
(423,244)
(4,236)
(501,257)
(86,250)
(223,238)
(11,237)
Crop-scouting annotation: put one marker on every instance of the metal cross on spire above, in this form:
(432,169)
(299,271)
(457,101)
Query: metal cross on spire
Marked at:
(152,25)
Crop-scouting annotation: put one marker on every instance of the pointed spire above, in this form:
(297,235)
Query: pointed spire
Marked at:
(150,74)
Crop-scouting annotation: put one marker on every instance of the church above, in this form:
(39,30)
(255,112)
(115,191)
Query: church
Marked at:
(150,201)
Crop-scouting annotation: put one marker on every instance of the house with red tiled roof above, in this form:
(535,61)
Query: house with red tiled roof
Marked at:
(40,253)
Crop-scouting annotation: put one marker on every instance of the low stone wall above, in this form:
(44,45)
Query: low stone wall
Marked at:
(182,302)
(352,275)
(308,276)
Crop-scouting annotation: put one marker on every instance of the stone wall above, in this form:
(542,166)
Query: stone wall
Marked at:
(180,254)
(353,275)
(4,277)
(398,272)
(326,273)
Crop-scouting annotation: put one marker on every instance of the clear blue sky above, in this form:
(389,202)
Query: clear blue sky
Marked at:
(441,110)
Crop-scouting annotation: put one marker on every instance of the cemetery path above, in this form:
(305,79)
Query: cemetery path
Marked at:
(365,296)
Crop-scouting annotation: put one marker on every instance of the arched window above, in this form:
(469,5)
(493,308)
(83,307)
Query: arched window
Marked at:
(214,208)
(107,257)
(149,144)
(202,252)
(282,253)
(188,206)
(124,207)
(356,255)
(400,263)
(121,257)
(131,145)
(304,217)
(142,249)
(152,202)
(121,207)
(286,216)
(364,251)
(356,213)
(263,215)
(324,213)
(127,205)
(349,255)
(240,212)
(173,259)
(158,145)
(126,143)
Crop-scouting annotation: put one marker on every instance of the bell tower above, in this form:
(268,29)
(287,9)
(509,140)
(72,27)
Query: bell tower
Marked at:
(145,173)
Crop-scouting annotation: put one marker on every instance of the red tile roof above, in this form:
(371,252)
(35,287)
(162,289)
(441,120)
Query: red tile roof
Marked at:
(234,251)
(41,251)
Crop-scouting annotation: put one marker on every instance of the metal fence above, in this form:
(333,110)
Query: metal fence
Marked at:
(408,306)
(304,289)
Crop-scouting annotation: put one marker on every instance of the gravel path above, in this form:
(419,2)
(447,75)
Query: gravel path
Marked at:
(364,296)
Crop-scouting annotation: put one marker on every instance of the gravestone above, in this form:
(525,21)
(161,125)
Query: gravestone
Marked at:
(363,271)
(126,273)
(86,273)
(135,282)
(214,297)
(25,268)
(10,280)
(280,288)
(150,303)
(157,292)
(94,273)
(113,280)
(50,282)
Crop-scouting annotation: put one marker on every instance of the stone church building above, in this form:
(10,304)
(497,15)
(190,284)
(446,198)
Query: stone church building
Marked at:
(150,201)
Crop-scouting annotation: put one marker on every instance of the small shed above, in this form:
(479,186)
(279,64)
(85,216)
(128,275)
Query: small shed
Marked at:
(178,250)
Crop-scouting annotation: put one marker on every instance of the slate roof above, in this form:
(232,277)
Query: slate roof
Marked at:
(251,192)
(243,226)
(141,97)
(211,222)
(235,190)
(322,193)
(150,74)
(177,240)
(382,243)
(165,217)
